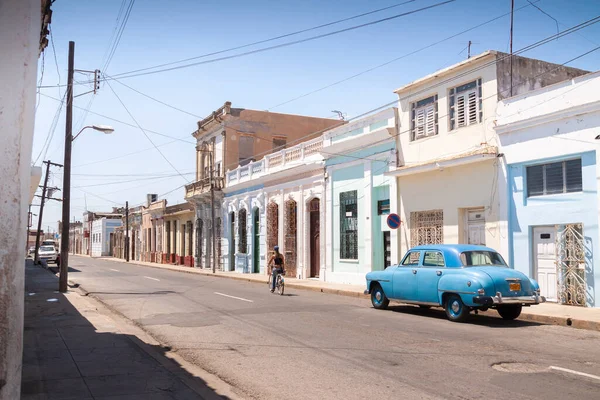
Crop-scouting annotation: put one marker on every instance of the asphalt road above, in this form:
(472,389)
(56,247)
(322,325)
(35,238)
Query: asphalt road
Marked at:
(309,345)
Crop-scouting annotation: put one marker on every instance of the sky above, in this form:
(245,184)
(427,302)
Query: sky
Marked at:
(108,170)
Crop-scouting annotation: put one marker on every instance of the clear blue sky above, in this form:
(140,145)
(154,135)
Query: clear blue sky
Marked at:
(163,31)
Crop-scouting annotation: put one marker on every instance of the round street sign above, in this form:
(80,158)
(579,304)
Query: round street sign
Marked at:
(393,221)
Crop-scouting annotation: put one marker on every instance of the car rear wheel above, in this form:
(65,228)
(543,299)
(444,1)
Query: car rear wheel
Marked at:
(456,311)
(510,312)
(378,298)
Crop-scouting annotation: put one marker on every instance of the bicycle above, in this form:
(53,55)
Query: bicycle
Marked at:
(280,284)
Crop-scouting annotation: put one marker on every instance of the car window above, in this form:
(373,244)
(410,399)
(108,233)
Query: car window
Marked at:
(47,248)
(481,257)
(433,259)
(412,258)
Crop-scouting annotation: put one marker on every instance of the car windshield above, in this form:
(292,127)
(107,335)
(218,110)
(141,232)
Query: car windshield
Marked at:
(47,248)
(481,257)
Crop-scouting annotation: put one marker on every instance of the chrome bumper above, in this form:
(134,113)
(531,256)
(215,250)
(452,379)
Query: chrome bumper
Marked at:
(498,299)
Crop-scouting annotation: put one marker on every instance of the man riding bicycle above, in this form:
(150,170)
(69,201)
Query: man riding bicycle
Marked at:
(277,259)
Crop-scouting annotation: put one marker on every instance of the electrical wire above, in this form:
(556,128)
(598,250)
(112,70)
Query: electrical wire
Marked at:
(113,35)
(119,35)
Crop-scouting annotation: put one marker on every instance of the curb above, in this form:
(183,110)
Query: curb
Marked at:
(540,319)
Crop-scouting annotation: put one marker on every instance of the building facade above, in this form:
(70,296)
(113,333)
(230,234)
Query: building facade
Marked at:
(358,198)
(153,229)
(448,168)
(549,140)
(178,242)
(102,235)
(228,138)
(76,237)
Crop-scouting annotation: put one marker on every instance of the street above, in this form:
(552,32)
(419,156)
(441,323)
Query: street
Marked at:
(309,345)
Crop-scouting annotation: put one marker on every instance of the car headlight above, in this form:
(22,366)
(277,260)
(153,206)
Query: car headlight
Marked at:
(481,292)
(538,291)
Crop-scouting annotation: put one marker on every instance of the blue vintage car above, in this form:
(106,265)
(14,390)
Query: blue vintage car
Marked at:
(459,278)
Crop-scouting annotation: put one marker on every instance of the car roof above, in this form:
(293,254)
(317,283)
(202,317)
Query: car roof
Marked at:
(452,251)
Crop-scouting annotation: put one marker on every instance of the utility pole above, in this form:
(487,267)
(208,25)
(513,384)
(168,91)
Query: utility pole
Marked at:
(66,211)
(512,12)
(469,51)
(127,231)
(44,188)
(212,212)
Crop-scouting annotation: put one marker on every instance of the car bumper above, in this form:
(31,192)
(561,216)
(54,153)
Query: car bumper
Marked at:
(367,292)
(498,299)
(52,259)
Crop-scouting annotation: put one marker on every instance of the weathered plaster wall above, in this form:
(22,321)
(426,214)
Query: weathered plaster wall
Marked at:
(20,33)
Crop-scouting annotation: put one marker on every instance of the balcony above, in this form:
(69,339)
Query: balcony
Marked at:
(202,186)
(301,154)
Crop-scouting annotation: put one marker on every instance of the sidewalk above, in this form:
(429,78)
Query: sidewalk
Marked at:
(73,348)
(547,313)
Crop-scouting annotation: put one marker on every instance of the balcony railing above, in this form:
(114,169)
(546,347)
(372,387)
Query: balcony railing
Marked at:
(203,186)
(283,159)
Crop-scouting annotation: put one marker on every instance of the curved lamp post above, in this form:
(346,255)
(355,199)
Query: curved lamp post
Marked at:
(66,206)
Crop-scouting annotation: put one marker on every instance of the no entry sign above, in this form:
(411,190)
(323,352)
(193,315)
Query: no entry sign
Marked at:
(393,221)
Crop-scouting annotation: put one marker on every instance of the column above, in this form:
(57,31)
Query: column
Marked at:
(367,211)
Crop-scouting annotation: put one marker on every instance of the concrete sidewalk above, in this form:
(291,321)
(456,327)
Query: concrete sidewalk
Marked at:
(547,313)
(74,348)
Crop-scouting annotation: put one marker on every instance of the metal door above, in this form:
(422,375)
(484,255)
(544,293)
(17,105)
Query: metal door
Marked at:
(544,253)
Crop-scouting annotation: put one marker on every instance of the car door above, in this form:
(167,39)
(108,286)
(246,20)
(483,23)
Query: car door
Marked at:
(429,275)
(405,276)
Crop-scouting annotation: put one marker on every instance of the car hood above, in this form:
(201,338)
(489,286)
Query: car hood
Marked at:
(502,276)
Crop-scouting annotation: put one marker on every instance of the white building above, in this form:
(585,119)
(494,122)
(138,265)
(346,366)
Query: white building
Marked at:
(549,139)
(358,198)
(101,236)
(449,171)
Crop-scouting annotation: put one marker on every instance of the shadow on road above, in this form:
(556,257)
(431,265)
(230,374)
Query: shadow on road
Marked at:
(482,319)
(67,355)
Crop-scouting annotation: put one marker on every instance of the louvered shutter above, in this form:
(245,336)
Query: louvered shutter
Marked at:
(430,124)
(460,111)
(472,108)
(420,123)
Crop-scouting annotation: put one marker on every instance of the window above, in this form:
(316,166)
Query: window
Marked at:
(383,207)
(466,105)
(242,232)
(433,259)
(246,149)
(481,257)
(218,169)
(278,143)
(426,227)
(424,118)
(349,225)
(412,258)
(554,178)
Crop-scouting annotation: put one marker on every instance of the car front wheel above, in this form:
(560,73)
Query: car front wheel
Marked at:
(378,298)
(456,311)
(510,312)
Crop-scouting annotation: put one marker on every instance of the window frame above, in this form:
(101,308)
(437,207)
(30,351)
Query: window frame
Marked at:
(407,256)
(434,266)
(424,104)
(280,147)
(246,160)
(346,221)
(452,104)
(381,211)
(563,164)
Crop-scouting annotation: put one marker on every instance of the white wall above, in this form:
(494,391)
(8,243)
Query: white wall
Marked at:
(20,22)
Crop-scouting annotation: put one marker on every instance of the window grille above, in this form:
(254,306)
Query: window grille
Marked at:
(349,225)
(272,225)
(290,237)
(426,227)
(242,232)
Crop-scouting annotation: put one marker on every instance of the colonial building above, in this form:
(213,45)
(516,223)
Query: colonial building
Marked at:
(549,142)
(88,240)
(153,229)
(102,235)
(226,139)
(449,167)
(178,242)
(76,237)
(358,198)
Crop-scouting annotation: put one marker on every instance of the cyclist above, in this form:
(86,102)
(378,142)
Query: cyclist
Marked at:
(277,259)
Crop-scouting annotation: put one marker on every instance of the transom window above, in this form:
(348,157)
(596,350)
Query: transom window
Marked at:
(554,178)
(383,207)
(466,105)
(412,258)
(424,118)
(433,259)
(349,225)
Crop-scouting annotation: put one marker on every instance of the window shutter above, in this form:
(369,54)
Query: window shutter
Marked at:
(430,127)
(420,124)
(573,176)
(554,178)
(535,180)
(472,108)
(460,111)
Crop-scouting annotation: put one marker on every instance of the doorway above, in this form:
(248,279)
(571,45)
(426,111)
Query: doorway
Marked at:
(544,254)
(256,241)
(476,227)
(315,235)
(232,247)
(387,249)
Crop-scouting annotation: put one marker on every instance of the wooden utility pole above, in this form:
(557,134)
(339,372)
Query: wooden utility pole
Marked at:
(469,51)
(66,210)
(36,257)
(127,231)
(512,12)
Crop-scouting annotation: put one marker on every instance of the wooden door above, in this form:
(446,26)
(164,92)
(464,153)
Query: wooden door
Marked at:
(315,243)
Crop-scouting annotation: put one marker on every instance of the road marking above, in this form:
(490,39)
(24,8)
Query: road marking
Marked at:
(570,371)
(154,279)
(233,297)
(112,269)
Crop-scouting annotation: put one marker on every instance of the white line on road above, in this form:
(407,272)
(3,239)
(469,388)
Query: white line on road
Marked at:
(154,279)
(570,371)
(233,297)
(112,269)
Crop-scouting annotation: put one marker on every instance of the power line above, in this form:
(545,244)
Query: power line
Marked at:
(144,132)
(119,35)
(112,36)
(392,60)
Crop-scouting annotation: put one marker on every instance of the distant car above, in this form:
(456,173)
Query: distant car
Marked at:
(49,254)
(459,278)
(50,243)
(31,251)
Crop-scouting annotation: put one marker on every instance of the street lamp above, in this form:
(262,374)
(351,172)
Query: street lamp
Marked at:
(66,206)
